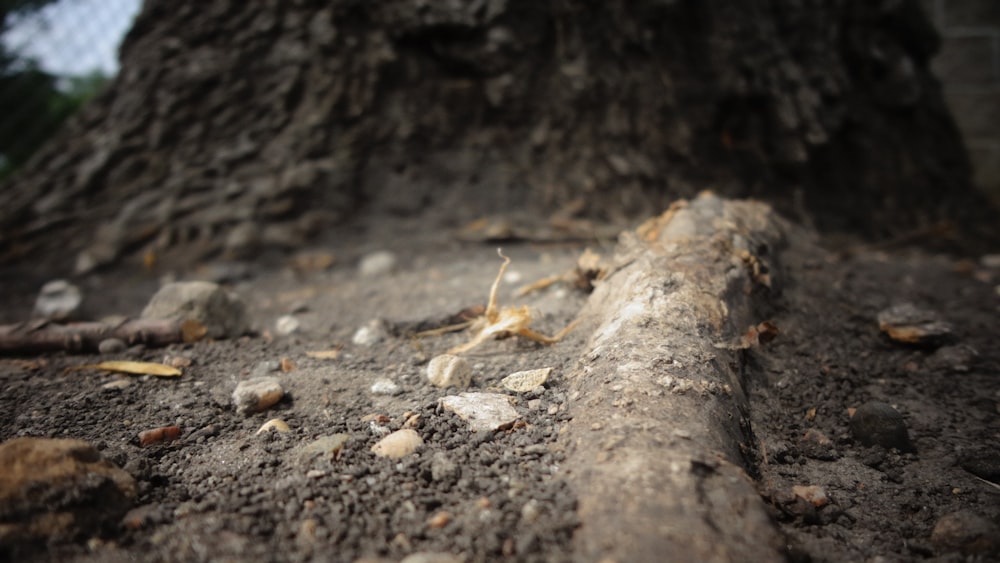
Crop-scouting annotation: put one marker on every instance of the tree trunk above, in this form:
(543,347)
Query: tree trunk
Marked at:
(237,125)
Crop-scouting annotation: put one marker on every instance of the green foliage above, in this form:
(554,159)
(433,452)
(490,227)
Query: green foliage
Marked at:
(36,103)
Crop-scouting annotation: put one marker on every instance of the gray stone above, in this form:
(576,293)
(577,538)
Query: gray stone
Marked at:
(112,346)
(221,311)
(59,490)
(878,424)
(967,532)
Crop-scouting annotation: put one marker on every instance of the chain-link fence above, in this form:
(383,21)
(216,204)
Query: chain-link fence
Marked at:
(54,55)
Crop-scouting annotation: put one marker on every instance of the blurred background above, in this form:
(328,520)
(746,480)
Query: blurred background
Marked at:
(55,54)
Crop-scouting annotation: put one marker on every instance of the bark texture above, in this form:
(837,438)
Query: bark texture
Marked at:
(238,125)
(664,373)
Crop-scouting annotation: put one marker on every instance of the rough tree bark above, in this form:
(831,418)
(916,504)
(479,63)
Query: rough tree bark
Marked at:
(239,124)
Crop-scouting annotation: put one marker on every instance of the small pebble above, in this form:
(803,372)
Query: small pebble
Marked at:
(991,261)
(531,511)
(263,369)
(116,384)
(448,370)
(439,519)
(370,334)
(385,387)
(398,444)
(322,447)
(377,264)
(967,532)
(525,381)
(812,494)
(877,423)
(257,394)
(910,324)
(286,324)
(58,300)
(112,346)
(275,424)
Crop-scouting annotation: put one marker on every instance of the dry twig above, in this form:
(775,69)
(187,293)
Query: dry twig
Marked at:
(499,323)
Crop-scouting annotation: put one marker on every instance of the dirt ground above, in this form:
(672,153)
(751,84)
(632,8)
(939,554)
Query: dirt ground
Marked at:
(224,493)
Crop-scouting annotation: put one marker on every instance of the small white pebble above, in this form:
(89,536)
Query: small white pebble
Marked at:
(377,264)
(385,387)
(370,334)
(286,324)
(58,300)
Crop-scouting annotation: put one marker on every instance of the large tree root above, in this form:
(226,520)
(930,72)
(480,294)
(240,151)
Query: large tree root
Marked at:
(660,442)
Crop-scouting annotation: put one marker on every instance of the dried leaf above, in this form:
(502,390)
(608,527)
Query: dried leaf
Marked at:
(135,368)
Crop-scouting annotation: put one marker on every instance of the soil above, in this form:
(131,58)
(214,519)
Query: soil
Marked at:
(223,492)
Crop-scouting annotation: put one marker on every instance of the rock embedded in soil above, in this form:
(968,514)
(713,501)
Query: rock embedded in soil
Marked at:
(910,324)
(878,424)
(449,370)
(483,411)
(59,490)
(966,532)
(221,312)
(398,444)
(322,447)
(257,394)
(58,300)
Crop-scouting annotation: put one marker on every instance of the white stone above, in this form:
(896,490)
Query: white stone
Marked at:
(377,264)
(524,381)
(286,324)
(398,444)
(483,411)
(385,387)
(448,370)
(58,300)
(257,394)
(370,334)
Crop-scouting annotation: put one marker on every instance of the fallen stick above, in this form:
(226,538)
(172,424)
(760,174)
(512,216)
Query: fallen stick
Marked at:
(660,443)
(44,336)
